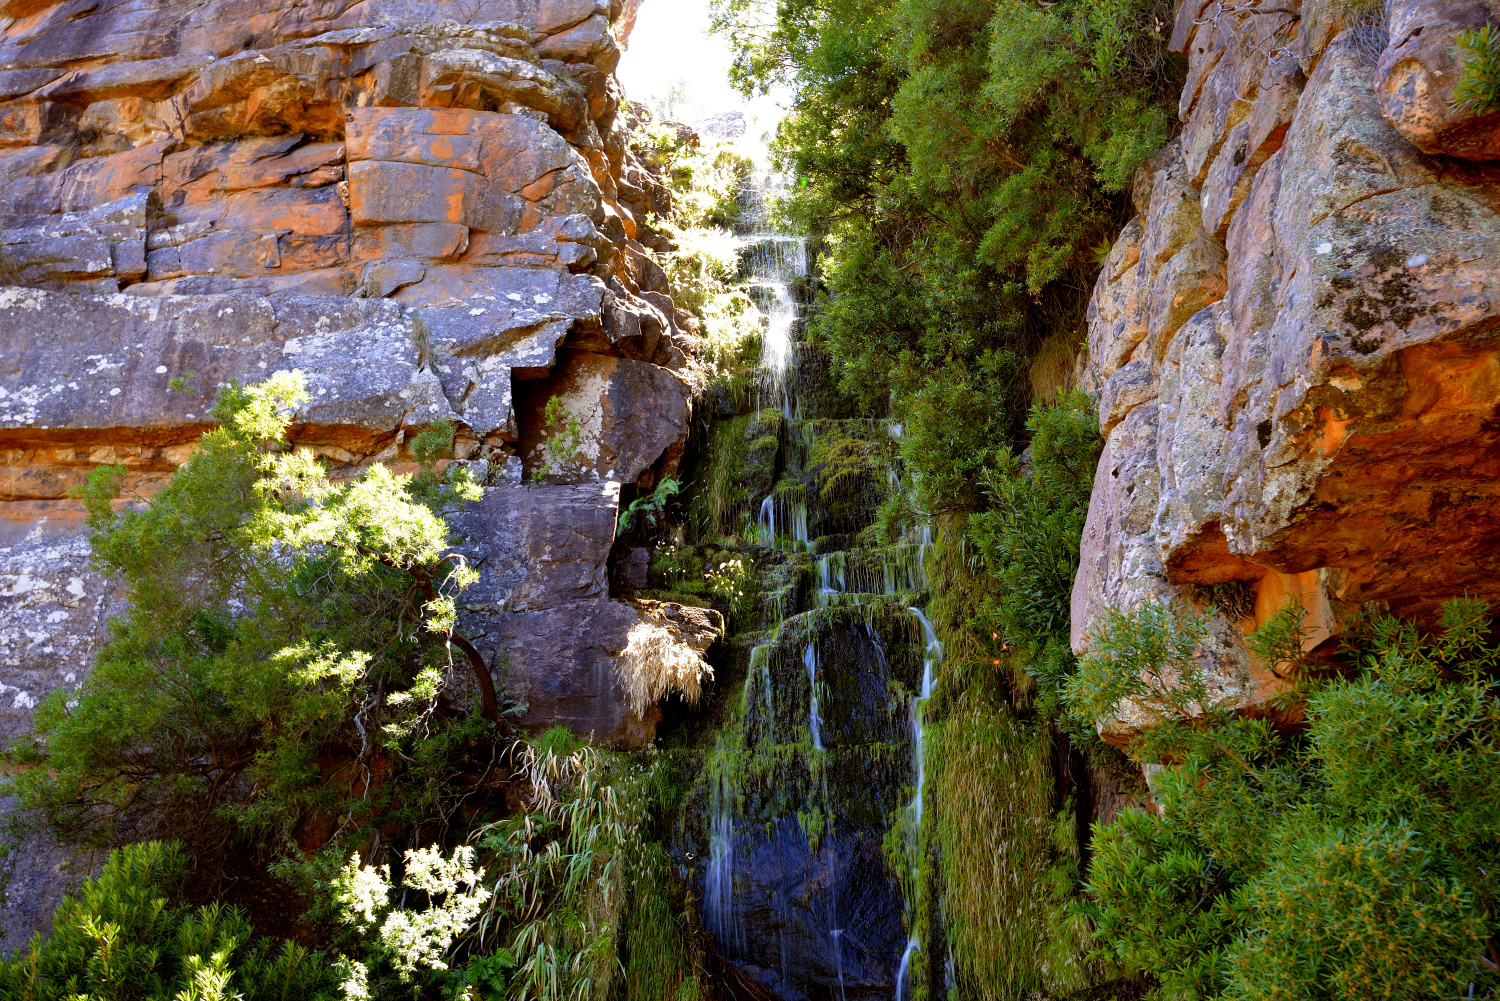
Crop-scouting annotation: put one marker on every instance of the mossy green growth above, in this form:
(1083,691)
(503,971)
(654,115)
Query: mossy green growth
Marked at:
(852,466)
(738,468)
(1009,868)
(659,949)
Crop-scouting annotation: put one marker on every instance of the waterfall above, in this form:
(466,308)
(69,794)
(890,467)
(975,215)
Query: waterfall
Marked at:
(934,656)
(794,882)
(758,680)
(931,660)
(774,262)
(838,958)
(718,904)
(793,518)
(810,659)
(912,945)
(766,523)
(776,347)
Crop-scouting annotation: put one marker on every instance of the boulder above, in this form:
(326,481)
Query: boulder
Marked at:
(1419,70)
(621,435)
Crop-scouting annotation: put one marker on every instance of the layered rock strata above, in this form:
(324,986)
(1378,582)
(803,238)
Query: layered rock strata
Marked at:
(1295,341)
(428,209)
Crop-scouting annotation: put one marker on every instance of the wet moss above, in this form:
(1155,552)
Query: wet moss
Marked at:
(738,469)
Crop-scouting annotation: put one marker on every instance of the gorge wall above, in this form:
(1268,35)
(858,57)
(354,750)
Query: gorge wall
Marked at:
(429,209)
(1294,341)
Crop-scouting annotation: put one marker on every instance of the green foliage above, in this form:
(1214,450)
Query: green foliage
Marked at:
(1149,656)
(701,255)
(1029,538)
(962,157)
(651,507)
(1354,860)
(1030,534)
(659,966)
(276,617)
(738,468)
(703,272)
(566,871)
(1478,88)
(1007,868)
(121,938)
(417,933)
(705,181)
(561,441)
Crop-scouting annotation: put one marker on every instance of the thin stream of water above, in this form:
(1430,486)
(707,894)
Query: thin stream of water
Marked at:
(930,663)
(814,724)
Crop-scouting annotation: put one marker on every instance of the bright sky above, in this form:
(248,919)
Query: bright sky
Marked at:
(673,60)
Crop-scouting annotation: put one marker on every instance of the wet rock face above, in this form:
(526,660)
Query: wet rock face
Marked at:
(800,896)
(416,213)
(1293,342)
(818,920)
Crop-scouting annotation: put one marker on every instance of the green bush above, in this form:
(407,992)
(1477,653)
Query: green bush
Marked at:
(1479,85)
(1356,859)
(278,621)
(1029,539)
(120,938)
(962,158)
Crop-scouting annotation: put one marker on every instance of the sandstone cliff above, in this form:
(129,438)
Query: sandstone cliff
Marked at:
(1294,342)
(429,209)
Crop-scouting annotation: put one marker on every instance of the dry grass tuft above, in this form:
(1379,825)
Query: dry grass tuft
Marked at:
(658,660)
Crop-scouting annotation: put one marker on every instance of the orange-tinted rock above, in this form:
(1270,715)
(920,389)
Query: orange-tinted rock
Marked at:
(436,240)
(1419,69)
(1319,423)
(410,210)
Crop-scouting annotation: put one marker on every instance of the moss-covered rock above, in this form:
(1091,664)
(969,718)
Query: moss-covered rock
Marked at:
(738,470)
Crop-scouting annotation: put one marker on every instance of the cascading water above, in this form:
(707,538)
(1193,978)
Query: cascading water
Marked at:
(797,891)
(931,660)
(774,262)
(814,725)
(718,898)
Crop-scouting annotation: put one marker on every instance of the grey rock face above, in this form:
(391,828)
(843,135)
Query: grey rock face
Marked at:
(1292,347)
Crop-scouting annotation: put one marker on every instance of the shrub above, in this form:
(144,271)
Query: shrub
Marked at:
(1478,87)
(1029,539)
(1354,860)
(278,620)
(120,937)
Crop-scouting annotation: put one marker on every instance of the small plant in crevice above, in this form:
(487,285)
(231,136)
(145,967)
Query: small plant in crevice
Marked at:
(732,580)
(651,508)
(1478,88)
(560,447)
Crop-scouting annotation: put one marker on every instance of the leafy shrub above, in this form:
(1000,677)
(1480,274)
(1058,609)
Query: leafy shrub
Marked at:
(275,617)
(1029,539)
(120,938)
(1478,87)
(1354,860)
(417,933)
(563,871)
(650,507)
